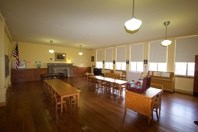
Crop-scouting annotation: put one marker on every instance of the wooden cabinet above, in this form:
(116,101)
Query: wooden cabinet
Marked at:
(27,75)
(164,80)
(195,89)
(80,71)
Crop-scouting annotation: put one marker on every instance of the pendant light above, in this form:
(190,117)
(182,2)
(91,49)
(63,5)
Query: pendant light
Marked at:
(51,50)
(134,23)
(80,52)
(166,42)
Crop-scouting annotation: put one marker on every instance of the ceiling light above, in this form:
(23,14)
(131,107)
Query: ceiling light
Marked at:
(80,52)
(51,50)
(166,42)
(134,23)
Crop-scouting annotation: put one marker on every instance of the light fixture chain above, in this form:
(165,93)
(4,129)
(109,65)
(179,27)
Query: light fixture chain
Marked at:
(133,2)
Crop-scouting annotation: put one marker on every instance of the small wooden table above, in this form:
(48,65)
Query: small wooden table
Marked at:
(63,90)
(142,102)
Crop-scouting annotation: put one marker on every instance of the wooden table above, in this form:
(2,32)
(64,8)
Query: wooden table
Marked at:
(63,90)
(142,102)
(119,83)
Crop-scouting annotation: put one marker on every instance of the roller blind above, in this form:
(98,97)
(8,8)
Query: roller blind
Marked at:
(157,52)
(137,53)
(121,54)
(186,49)
(99,54)
(109,55)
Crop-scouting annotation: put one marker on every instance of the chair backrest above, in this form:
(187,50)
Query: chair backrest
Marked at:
(146,82)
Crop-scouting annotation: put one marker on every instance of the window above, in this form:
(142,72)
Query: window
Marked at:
(184,68)
(109,65)
(137,66)
(157,66)
(109,58)
(99,64)
(120,65)
(157,57)
(186,49)
(137,57)
(99,58)
(121,58)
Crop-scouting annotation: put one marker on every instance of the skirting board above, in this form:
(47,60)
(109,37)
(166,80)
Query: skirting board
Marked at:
(182,91)
(2,104)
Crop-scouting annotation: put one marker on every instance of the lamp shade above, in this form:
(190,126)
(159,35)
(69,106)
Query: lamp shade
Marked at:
(166,42)
(51,51)
(80,53)
(133,24)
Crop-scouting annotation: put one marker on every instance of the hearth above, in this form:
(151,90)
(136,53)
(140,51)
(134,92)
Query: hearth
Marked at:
(63,68)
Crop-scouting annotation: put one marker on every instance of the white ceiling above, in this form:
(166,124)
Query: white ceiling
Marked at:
(97,23)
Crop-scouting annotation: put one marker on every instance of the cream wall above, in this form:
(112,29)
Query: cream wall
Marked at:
(32,52)
(182,84)
(5,49)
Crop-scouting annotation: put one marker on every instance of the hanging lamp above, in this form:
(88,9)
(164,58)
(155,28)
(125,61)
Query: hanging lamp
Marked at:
(51,50)
(134,23)
(166,42)
(80,52)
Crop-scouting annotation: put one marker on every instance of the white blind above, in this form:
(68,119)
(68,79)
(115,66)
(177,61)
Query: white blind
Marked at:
(121,54)
(109,55)
(157,52)
(186,49)
(137,53)
(99,54)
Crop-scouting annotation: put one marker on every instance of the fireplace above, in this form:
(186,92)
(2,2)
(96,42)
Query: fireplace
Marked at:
(63,68)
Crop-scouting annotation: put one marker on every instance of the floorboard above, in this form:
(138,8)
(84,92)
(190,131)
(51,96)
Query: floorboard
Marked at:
(29,109)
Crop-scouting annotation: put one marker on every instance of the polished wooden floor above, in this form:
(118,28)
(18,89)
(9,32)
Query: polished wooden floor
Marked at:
(30,110)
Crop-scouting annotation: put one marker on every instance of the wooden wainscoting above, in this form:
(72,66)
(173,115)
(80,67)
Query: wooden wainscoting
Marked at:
(27,75)
(80,71)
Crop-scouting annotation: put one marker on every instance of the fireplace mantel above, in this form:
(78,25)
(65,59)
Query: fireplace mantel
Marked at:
(65,68)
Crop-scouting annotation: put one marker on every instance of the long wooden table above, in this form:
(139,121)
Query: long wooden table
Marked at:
(142,102)
(119,83)
(63,90)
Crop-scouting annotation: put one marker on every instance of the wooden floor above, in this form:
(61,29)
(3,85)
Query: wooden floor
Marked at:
(29,110)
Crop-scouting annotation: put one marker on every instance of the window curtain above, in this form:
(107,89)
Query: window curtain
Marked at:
(109,55)
(121,54)
(137,53)
(157,52)
(186,49)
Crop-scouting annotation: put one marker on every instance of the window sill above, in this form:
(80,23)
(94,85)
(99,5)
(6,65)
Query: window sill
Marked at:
(182,76)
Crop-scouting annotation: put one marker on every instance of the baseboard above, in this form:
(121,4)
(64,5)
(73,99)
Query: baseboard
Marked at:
(2,104)
(183,91)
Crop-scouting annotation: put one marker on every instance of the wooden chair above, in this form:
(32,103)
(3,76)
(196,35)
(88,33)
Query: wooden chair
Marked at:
(123,75)
(156,106)
(57,101)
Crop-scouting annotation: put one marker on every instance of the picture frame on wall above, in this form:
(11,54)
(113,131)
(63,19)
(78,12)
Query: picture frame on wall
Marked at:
(92,58)
(60,56)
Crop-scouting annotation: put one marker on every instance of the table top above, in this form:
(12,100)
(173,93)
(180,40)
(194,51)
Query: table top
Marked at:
(61,87)
(112,80)
(150,92)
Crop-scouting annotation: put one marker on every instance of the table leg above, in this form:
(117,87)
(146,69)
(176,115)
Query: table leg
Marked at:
(78,97)
(61,104)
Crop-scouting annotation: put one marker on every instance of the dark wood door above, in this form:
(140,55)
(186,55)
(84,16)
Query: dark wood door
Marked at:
(195,90)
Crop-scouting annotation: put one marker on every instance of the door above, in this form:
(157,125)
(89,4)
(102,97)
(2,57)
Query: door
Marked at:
(195,89)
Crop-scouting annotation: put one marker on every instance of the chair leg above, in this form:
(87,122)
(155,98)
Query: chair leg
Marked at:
(157,113)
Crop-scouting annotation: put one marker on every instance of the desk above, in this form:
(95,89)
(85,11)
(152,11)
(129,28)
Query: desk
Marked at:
(142,102)
(63,90)
(119,83)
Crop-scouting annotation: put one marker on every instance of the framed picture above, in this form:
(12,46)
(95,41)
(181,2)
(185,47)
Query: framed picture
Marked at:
(92,58)
(60,56)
